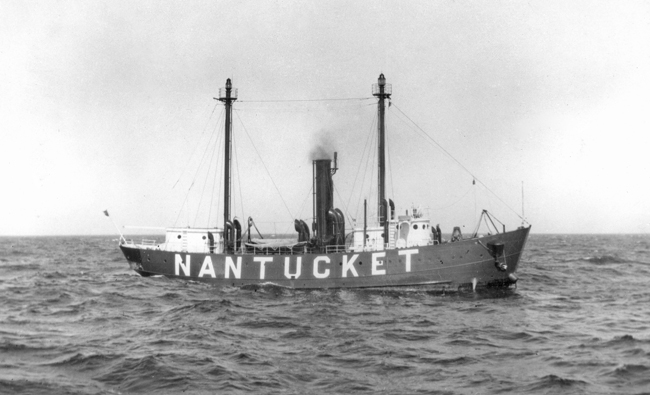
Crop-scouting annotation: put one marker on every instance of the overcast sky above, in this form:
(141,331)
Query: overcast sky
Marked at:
(109,105)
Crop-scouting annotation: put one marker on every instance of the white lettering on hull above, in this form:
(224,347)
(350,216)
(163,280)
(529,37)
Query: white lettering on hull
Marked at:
(287,273)
(262,260)
(349,265)
(376,263)
(408,254)
(233,267)
(230,266)
(207,268)
(326,272)
(179,264)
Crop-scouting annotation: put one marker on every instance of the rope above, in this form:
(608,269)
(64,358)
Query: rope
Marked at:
(346,209)
(215,183)
(187,194)
(457,161)
(304,202)
(264,164)
(205,184)
(367,148)
(187,164)
(455,202)
(241,198)
(303,100)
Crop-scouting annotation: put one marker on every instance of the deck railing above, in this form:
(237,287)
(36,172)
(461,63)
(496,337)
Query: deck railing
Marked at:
(334,249)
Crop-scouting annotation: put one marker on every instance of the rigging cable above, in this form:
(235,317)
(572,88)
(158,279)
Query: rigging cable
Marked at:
(264,165)
(194,179)
(241,199)
(205,184)
(457,161)
(367,147)
(341,199)
(187,164)
(217,175)
(303,100)
(455,202)
(216,183)
(304,202)
(356,176)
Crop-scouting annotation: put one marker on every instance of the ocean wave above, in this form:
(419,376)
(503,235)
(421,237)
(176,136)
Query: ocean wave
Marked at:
(84,362)
(47,386)
(449,361)
(633,370)
(631,375)
(605,259)
(150,373)
(269,324)
(409,336)
(553,382)
(625,340)
(576,325)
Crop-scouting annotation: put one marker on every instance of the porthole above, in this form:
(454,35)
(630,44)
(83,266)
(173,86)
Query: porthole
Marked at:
(204,237)
(178,237)
(415,226)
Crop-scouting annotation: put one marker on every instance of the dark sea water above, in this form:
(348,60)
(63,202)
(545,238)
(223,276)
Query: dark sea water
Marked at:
(75,320)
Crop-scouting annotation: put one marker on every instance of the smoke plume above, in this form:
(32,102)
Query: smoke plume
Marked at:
(324,148)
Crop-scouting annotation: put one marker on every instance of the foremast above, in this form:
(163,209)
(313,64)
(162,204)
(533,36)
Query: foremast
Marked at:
(383,92)
(227,95)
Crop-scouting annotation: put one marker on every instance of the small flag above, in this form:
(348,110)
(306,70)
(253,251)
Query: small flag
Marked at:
(106,213)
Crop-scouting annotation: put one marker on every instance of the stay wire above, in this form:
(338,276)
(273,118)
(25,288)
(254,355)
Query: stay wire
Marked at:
(241,199)
(264,165)
(205,184)
(215,182)
(219,170)
(305,100)
(198,142)
(304,202)
(347,211)
(187,194)
(366,148)
(456,160)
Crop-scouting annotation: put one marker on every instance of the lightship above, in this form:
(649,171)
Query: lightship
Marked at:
(395,251)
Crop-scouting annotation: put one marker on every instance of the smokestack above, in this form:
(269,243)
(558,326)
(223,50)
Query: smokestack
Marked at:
(324,196)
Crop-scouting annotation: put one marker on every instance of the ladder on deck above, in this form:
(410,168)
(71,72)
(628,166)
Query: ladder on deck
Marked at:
(184,241)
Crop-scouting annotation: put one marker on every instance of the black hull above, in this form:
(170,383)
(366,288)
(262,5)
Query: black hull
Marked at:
(466,263)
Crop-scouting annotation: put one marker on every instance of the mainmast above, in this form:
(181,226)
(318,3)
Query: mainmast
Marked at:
(227,95)
(382,91)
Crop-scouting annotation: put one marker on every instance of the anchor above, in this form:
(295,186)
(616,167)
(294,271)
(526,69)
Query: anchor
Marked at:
(496,249)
